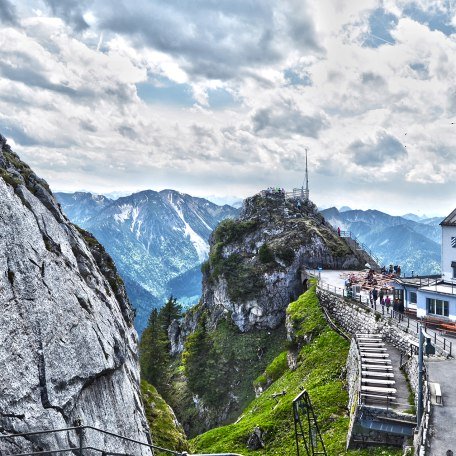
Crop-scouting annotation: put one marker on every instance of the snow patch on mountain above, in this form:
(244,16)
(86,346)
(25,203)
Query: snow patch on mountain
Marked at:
(201,246)
(125,211)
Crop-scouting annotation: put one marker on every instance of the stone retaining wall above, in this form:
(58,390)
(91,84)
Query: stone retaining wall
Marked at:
(354,318)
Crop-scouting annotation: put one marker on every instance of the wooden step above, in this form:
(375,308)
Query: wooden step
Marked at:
(376,367)
(374,355)
(378,390)
(377,381)
(375,360)
(366,373)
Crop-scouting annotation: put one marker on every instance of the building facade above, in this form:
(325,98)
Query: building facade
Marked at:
(434,296)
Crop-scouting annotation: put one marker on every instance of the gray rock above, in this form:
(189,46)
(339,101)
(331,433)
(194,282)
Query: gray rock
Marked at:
(68,349)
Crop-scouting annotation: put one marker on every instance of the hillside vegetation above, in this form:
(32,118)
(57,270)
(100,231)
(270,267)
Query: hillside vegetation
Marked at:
(320,370)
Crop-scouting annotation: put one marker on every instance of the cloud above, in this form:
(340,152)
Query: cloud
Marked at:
(286,118)
(7,12)
(72,11)
(378,151)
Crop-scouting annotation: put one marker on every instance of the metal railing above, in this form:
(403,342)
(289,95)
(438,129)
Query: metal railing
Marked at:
(361,245)
(82,448)
(403,322)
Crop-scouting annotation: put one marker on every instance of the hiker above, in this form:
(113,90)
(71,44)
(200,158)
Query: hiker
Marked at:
(381,294)
(388,302)
(375,295)
(391,269)
(371,298)
(398,271)
(338,230)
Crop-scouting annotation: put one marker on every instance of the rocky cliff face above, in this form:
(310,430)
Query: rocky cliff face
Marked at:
(67,343)
(257,262)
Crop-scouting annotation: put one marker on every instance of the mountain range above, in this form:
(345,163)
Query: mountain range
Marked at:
(158,241)
(410,241)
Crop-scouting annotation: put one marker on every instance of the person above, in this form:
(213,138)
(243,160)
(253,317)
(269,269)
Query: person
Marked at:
(388,302)
(381,294)
(398,271)
(338,230)
(388,305)
(375,295)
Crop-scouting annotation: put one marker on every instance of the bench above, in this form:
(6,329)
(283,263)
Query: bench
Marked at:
(438,393)
(447,328)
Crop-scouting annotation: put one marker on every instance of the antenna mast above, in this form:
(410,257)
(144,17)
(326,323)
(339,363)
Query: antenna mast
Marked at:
(305,191)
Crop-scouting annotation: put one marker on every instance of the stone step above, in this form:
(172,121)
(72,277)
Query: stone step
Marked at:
(374,355)
(378,390)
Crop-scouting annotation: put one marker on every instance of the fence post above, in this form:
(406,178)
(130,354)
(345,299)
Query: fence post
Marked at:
(80,432)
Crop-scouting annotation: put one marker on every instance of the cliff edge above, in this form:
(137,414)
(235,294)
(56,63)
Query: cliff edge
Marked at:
(68,349)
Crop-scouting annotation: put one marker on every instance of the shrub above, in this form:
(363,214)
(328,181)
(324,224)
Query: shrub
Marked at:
(265,254)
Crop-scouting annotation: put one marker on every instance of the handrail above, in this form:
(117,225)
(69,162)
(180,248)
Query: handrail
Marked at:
(79,430)
(349,234)
(402,321)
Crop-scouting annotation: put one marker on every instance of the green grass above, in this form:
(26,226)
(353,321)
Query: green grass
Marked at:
(321,362)
(165,432)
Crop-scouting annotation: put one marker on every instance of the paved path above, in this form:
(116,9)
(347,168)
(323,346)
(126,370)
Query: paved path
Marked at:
(443,419)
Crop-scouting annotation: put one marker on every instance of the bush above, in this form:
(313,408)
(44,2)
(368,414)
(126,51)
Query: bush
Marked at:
(265,254)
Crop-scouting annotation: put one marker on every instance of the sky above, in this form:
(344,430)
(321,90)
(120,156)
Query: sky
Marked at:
(221,98)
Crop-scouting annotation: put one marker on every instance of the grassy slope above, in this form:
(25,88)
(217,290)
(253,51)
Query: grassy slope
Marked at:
(319,371)
(165,431)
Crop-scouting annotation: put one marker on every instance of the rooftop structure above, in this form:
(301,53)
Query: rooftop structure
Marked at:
(450,220)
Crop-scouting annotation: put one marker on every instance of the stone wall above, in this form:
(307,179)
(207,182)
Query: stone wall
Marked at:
(355,318)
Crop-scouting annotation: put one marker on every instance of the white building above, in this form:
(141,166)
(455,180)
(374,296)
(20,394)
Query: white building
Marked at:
(434,296)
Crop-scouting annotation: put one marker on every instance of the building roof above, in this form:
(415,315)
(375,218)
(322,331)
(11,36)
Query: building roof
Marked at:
(441,288)
(450,220)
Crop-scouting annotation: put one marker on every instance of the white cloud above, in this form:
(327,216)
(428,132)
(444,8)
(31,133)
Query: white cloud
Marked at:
(295,74)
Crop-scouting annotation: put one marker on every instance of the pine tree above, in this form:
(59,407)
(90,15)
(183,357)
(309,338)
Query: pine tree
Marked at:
(153,351)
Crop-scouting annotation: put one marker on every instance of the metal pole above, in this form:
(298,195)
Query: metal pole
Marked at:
(420,379)
(81,440)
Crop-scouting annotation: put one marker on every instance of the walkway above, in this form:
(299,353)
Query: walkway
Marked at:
(333,281)
(381,371)
(443,418)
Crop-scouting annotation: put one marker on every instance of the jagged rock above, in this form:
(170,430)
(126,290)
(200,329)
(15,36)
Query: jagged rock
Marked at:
(256,439)
(67,344)
(258,262)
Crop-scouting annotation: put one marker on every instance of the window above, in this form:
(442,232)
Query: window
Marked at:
(412,297)
(438,307)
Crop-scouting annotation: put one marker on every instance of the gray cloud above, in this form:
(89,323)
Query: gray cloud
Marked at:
(216,40)
(71,11)
(375,153)
(7,12)
(287,119)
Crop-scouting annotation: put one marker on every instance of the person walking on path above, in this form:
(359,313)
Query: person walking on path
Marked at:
(381,294)
(375,295)
(338,230)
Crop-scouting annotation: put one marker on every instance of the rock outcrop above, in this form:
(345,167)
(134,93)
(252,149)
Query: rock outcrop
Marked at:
(67,343)
(257,263)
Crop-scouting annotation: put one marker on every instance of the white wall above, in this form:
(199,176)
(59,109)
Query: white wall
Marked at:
(448,252)
(421,303)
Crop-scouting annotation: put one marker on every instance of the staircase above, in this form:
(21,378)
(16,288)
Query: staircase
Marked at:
(362,249)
